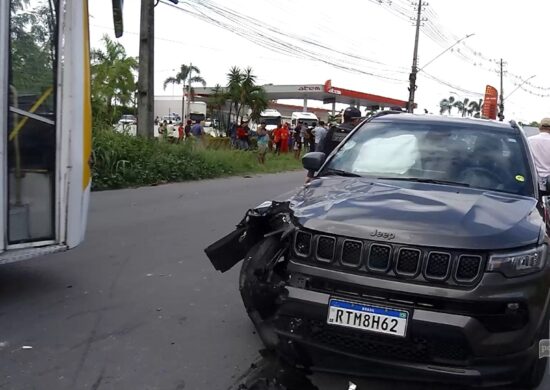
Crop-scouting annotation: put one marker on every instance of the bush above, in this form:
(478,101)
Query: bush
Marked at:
(125,161)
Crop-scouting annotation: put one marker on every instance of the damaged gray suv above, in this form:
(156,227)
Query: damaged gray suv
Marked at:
(418,251)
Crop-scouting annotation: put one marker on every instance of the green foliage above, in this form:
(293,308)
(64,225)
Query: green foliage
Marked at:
(121,160)
(113,81)
(465,107)
(182,77)
(446,105)
(32,33)
(243,92)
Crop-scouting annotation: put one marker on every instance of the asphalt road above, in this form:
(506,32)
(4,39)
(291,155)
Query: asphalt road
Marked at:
(138,305)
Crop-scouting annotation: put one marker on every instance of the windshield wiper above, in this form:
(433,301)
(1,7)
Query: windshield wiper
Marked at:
(340,172)
(421,180)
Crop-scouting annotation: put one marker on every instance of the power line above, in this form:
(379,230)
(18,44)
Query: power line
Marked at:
(237,24)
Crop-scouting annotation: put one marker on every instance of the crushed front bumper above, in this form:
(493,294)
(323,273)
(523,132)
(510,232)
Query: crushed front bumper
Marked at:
(439,346)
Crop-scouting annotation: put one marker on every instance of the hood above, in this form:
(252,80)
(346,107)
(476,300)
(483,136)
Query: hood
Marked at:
(418,213)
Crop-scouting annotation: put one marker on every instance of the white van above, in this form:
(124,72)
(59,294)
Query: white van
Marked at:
(308,118)
(272,118)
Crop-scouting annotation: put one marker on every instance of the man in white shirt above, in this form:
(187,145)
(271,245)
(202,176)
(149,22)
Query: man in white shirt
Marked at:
(320,132)
(540,149)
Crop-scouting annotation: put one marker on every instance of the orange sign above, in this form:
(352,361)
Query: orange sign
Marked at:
(490,103)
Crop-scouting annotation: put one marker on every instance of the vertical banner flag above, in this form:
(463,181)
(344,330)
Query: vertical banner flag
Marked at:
(490,103)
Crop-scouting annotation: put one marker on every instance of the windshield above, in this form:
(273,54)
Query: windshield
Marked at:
(473,156)
(271,120)
(196,117)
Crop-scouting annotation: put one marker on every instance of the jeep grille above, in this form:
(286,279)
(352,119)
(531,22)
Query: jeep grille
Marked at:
(415,263)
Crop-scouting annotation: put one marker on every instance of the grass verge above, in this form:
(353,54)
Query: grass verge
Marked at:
(121,161)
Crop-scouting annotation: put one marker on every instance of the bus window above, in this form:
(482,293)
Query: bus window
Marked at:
(32,121)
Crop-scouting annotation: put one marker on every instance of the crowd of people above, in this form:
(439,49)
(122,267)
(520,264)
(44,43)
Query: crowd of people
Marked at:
(191,129)
(303,138)
(281,140)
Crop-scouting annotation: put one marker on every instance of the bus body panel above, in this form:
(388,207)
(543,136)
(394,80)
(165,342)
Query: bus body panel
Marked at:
(73,143)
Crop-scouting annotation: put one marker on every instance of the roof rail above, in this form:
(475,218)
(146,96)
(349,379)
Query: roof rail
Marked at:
(387,112)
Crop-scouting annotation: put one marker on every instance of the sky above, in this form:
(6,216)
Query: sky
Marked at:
(364,45)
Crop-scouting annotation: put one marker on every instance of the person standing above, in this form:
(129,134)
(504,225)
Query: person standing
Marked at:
(180,133)
(297,146)
(285,135)
(197,130)
(540,149)
(246,135)
(277,138)
(319,133)
(336,134)
(263,139)
(242,136)
(187,129)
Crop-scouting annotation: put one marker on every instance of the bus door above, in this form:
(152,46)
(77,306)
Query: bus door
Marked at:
(45,117)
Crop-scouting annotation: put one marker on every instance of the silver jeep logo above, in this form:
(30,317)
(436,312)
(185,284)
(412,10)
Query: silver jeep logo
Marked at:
(384,235)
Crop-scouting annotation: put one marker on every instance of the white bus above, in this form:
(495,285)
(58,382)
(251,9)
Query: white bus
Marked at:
(45,111)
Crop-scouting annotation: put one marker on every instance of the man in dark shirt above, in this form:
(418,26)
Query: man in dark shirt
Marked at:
(336,134)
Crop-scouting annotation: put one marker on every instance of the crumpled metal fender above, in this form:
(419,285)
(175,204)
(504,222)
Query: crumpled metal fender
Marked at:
(268,219)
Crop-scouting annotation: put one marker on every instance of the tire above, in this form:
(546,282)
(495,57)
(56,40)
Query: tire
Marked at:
(258,296)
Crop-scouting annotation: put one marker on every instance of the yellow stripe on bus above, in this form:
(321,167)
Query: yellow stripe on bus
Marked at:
(86,104)
(34,107)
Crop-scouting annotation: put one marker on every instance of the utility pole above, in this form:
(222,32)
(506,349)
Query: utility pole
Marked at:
(146,81)
(414,70)
(501,105)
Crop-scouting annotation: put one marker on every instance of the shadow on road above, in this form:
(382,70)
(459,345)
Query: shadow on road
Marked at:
(22,281)
(270,373)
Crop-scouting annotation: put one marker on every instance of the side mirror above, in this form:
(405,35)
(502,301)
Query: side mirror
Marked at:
(313,161)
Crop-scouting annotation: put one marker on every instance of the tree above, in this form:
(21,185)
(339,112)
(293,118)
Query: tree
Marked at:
(234,78)
(32,54)
(446,105)
(243,92)
(182,77)
(474,108)
(113,79)
(462,106)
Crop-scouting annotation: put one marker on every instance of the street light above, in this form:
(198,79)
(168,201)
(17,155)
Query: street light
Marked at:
(519,86)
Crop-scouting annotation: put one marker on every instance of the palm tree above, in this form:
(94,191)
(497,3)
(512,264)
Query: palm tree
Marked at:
(243,92)
(475,108)
(446,105)
(462,106)
(257,101)
(113,77)
(184,77)
(234,81)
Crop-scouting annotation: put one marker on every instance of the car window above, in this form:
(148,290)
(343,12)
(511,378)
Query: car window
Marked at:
(476,156)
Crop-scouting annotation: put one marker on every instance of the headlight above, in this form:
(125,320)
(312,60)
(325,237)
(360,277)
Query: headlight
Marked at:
(518,263)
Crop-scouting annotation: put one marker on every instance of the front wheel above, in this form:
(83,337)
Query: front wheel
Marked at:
(259,295)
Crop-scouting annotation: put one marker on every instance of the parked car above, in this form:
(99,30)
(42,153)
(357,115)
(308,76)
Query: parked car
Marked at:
(418,251)
(127,120)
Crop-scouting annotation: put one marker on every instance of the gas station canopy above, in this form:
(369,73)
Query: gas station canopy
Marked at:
(326,93)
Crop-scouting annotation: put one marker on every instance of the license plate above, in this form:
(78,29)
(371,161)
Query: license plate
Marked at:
(368,317)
